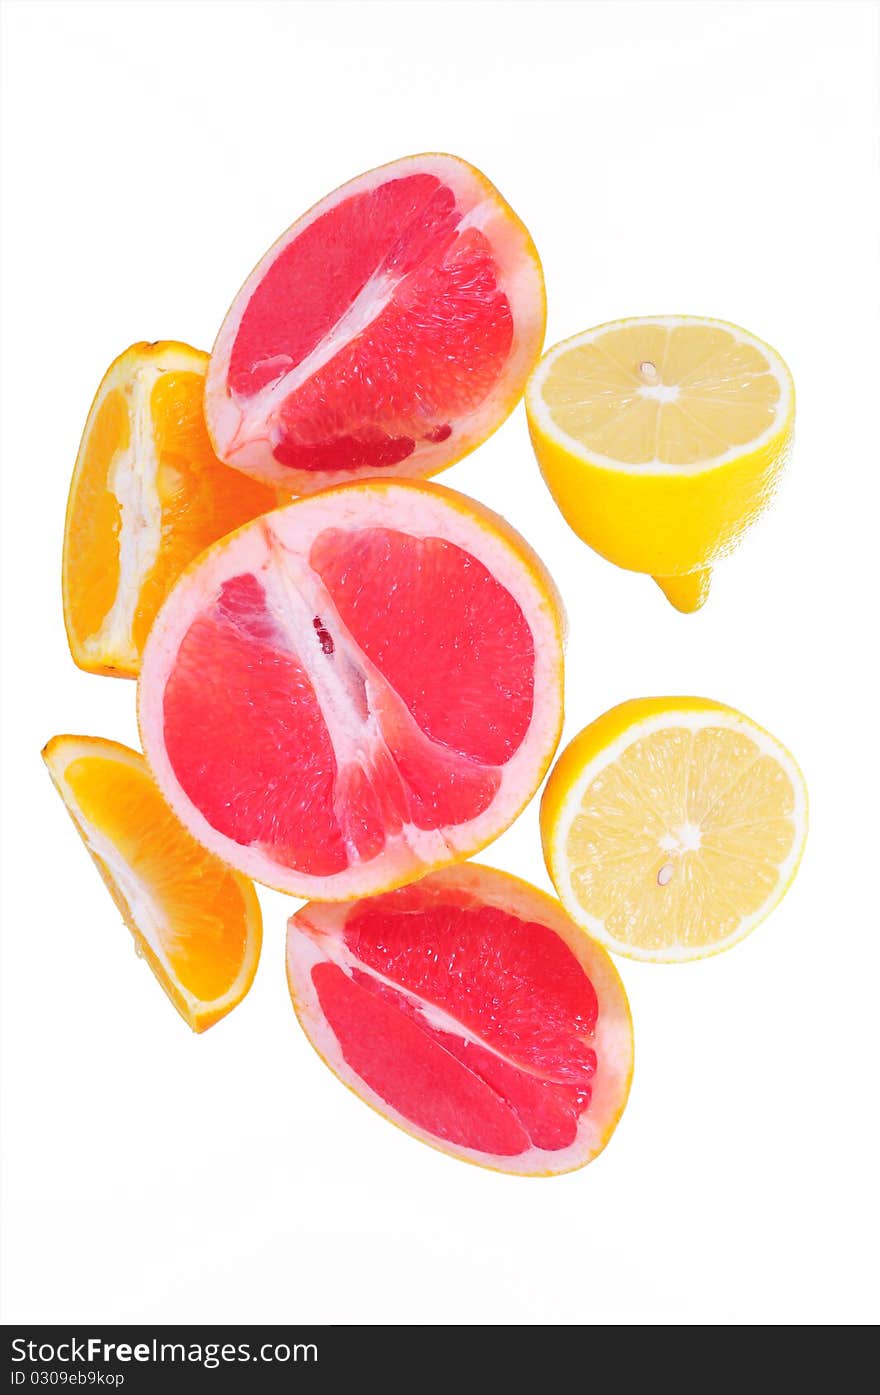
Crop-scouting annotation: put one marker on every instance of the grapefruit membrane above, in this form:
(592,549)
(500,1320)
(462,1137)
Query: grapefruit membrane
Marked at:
(389,331)
(471,1012)
(356,688)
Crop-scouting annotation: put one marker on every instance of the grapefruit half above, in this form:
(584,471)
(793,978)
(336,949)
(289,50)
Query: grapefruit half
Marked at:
(471,1012)
(389,331)
(355,689)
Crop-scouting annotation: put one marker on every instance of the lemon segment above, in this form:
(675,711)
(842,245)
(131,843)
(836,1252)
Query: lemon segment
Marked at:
(672,827)
(662,439)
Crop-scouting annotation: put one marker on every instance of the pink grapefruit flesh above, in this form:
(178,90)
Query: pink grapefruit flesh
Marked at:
(355,689)
(388,331)
(469,1010)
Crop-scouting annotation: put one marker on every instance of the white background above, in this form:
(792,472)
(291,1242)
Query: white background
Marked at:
(709,158)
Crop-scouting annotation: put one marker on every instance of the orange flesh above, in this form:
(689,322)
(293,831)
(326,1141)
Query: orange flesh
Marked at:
(148,496)
(92,572)
(201,498)
(200,914)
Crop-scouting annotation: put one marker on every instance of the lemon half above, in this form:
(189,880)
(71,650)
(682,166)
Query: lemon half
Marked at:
(662,439)
(672,826)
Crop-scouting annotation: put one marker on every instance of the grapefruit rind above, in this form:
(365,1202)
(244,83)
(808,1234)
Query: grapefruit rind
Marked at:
(133,898)
(601,744)
(424,510)
(312,928)
(520,276)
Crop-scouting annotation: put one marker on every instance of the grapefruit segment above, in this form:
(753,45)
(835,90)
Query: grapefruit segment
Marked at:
(469,1010)
(195,921)
(389,330)
(356,688)
(227,671)
(449,615)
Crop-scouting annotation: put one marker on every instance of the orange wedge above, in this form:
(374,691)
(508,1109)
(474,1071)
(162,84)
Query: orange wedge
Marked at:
(195,921)
(148,494)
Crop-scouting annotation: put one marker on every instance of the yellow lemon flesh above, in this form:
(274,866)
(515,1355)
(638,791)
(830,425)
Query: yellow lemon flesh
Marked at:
(672,826)
(662,439)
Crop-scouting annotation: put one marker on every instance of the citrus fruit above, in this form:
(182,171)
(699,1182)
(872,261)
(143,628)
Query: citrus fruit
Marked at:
(148,493)
(388,331)
(470,1011)
(196,922)
(672,826)
(661,440)
(355,688)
